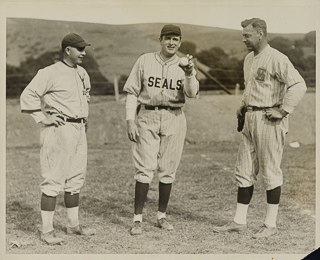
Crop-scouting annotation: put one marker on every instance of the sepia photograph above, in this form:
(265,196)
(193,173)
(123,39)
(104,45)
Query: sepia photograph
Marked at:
(159,129)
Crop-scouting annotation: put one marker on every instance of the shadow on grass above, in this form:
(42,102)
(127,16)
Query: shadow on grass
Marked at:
(24,217)
(112,209)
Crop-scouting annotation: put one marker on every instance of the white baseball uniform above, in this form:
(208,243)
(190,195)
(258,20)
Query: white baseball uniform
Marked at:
(270,81)
(160,89)
(61,90)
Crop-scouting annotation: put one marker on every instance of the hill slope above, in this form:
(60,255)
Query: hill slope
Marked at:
(115,47)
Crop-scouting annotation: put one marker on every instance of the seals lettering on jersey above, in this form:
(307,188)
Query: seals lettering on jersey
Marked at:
(261,74)
(156,82)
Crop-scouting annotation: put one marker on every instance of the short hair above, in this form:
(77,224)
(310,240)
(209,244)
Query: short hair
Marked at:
(256,23)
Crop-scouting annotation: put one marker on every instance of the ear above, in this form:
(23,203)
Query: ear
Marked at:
(67,50)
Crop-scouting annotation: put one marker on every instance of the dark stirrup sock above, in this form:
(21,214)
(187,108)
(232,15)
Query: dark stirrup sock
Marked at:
(141,191)
(245,195)
(71,200)
(164,195)
(273,196)
(48,203)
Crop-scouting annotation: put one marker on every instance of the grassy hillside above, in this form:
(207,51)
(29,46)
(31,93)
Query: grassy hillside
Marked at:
(115,47)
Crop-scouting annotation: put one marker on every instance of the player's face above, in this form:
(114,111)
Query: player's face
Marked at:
(251,38)
(170,44)
(76,55)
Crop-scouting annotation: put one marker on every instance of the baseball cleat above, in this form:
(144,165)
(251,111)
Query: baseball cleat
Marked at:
(136,229)
(232,227)
(50,238)
(163,223)
(79,230)
(266,231)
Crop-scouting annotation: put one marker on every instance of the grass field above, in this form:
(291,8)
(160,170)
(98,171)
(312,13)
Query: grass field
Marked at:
(204,194)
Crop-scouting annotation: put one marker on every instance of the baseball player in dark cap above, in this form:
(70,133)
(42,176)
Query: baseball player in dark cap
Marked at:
(273,88)
(57,98)
(158,127)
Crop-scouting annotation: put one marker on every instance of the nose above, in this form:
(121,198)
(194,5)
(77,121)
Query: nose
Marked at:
(171,41)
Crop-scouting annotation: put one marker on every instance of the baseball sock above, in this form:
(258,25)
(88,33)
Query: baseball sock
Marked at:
(164,195)
(141,191)
(243,200)
(48,205)
(273,199)
(47,221)
(72,204)
(271,217)
(241,213)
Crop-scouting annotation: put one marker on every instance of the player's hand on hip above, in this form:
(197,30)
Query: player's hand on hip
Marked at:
(132,130)
(53,120)
(275,113)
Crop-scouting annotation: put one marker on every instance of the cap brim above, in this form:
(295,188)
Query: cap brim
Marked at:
(171,32)
(81,44)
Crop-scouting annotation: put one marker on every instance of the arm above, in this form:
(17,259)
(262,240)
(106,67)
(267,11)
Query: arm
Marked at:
(39,117)
(295,91)
(191,86)
(131,107)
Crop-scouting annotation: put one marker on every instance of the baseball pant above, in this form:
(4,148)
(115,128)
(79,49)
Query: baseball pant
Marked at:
(160,144)
(63,158)
(261,150)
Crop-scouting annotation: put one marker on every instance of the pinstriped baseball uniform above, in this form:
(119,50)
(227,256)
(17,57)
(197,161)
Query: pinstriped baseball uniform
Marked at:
(62,90)
(161,131)
(270,81)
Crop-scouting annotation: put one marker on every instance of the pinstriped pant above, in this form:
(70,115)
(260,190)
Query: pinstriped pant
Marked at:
(159,145)
(261,150)
(63,158)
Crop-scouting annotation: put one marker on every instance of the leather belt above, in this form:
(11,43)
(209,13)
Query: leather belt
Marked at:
(76,120)
(72,120)
(161,107)
(250,108)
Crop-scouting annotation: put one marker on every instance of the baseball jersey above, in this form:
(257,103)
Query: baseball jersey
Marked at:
(271,80)
(157,82)
(58,88)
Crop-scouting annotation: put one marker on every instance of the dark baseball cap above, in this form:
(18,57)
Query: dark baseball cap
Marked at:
(73,40)
(170,29)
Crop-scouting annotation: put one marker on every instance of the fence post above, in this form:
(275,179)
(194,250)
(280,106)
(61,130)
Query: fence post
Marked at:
(237,89)
(116,88)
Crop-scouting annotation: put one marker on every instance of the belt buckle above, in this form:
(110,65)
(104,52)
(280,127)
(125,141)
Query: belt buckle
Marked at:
(249,109)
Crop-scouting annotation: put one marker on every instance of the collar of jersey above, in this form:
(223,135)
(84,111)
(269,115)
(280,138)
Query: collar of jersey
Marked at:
(263,51)
(172,60)
(68,64)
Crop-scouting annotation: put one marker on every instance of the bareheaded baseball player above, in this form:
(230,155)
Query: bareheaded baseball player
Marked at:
(159,83)
(273,88)
(57,98)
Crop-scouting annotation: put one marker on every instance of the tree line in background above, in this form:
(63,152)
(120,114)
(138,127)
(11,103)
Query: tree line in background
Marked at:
(229,70)
(223,67)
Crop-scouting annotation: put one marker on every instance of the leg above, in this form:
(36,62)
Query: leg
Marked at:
(144,153)
(47,235)
(270,228)
(246,171)
(272,141)
(243,200)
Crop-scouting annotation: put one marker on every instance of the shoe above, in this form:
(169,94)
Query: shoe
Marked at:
(50,238)
(136,229)
(79,230)
(266,231)
(233,226)
(163,223)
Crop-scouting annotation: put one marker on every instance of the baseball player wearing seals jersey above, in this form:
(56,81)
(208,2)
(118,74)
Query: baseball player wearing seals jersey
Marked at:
(57,98)
(158,127)
(273,88)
